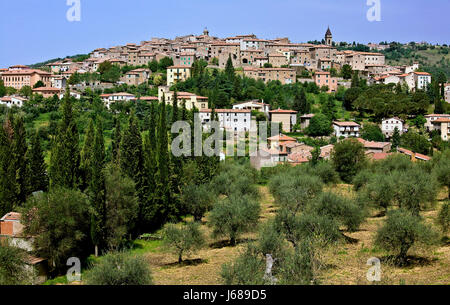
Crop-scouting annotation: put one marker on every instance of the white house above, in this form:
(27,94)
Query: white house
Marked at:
(236,120)
(346,129)
(253,105)
(72,94)
(388,126)
(422,79)
(108,99)
(59,81)
(12,100)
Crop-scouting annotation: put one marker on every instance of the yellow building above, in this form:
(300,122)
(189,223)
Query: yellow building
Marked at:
(177,74)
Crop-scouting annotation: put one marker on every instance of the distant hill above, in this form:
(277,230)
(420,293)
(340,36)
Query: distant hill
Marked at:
(75,58)
(432,59)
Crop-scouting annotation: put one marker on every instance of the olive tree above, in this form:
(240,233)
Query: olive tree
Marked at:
(443,219)
(340,208)
(233,216)
(442,170)
(60,222)
(415,189)
(403,230)
(295,191)
(183,239)
(197,200)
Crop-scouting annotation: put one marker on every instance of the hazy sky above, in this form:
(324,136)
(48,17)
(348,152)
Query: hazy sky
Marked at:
(37,30)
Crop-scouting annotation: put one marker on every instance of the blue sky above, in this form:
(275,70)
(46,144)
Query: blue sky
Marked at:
(37,30)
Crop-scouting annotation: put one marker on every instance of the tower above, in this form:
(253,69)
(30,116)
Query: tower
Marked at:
(328,37)
(206,32)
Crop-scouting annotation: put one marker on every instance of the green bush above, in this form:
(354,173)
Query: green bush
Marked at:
(13,265)
(119,269)
(247,269)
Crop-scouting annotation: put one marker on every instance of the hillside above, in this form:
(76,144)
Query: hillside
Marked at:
(432,59)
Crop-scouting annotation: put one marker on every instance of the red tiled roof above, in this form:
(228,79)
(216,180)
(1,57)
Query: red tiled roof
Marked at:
(441,120)
(281,137)
(46,89)
(437,115)
(178,67)
(149,98)
(11,216)
(227,110)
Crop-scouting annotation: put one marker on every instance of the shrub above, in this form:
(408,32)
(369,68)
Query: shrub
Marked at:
(13,265)
(119,269)
(183,239)
(247,269)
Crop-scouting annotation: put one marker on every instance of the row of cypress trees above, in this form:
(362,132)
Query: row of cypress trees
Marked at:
(22,168)
(143,155)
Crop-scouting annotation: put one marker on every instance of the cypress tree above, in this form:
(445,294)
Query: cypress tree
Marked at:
(19,161)
(229,69)
(148,209)
(131,150)
(175,107)
(116,142)
(355,80)
(395,139)
(38,168)
(438,106)
(163,167)
(7,173)
(97,188)
(86,155)
(301,103)
(65,154)
(184,115)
